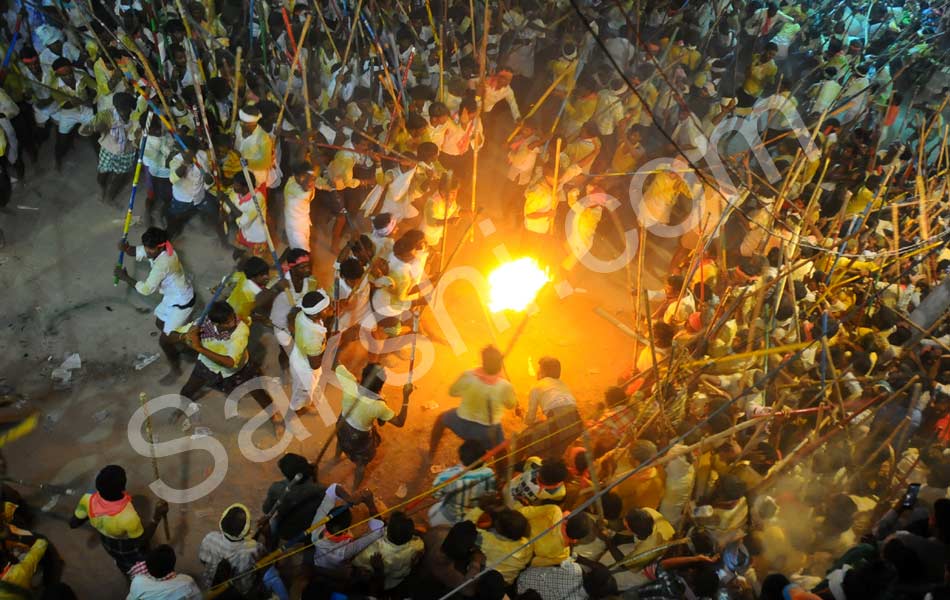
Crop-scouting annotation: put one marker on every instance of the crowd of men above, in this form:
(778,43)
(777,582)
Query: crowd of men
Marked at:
(792,379)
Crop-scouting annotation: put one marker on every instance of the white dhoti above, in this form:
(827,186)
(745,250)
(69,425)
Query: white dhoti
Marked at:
(305,388)
(172,315)
(298,228)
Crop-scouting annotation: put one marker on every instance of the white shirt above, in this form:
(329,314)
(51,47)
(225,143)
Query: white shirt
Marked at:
(189,189)
(494,95)
(330,554)
(178,587)
(167,276)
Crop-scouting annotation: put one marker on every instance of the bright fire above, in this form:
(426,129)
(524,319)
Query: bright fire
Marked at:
(514,285)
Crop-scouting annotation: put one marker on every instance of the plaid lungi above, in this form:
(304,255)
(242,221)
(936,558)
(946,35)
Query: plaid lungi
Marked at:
(359,446)
(116,163)
(125,552)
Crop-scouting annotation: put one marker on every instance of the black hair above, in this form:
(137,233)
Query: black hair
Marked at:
(427,152)
(492,360)
(578,526)
(291,465)
(773,587)
(550,366)
(160,561)
(400,529)
(491,586)
(612,504)
(312,299)
(255,266)
(373,377)
(154,237)
(663,334)
(234,521)
(300,168)
(438,109)
(407,242)
(340,519)
(460,541)
(110,482)
(511,524)
(295,254)
(639,522)
(351,268)
(123,101)
(552,471)
(415,121)
(598,582)
(220,312)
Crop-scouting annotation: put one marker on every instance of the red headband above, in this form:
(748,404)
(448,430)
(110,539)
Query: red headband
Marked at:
(303,259)
(167,246)
(29,60)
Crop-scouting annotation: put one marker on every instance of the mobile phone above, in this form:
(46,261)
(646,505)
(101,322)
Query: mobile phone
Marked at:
(910,497)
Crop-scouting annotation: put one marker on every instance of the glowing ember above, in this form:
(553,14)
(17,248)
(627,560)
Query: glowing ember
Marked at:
(514,285)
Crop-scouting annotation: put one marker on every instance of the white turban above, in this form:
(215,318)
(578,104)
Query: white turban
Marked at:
(318,307)
(247,117)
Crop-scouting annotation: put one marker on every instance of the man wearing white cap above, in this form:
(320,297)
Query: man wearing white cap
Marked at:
(253,143)
(306,356)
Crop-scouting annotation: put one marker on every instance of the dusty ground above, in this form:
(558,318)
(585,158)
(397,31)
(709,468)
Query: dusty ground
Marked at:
(56,272)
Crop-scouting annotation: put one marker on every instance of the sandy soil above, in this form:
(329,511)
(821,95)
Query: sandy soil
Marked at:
(59,298)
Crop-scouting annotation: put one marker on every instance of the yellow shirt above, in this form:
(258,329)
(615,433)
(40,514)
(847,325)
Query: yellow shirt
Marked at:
(397,559)
(551,548)
(859,202)
(309,336)
(124,525)
(21,574)
(359,409)
(257,149)
(538,198)
(234,347)
(662,533)
(757,75)
(243,295)
(484,399)
(496,547)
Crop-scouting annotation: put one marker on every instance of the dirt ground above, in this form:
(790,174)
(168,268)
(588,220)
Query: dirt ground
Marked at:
(56,270)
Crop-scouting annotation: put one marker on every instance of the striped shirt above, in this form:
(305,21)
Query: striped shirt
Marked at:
(462,495)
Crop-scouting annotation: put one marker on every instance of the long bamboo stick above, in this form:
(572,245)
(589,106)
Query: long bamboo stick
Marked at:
(293,66)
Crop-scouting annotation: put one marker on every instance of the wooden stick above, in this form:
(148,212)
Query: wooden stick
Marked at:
(237,87)
(306,94)
(482,59)
(537,104)
(293,65)
(326,30)
(151,448)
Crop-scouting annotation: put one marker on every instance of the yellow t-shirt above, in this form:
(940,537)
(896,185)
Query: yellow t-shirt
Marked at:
(243,296)
(122,525)
(496,547)
(367,409)
(550,549)
(757,76)
(234,347)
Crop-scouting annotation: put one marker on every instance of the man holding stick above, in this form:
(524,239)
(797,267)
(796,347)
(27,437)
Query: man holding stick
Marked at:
(167,276)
